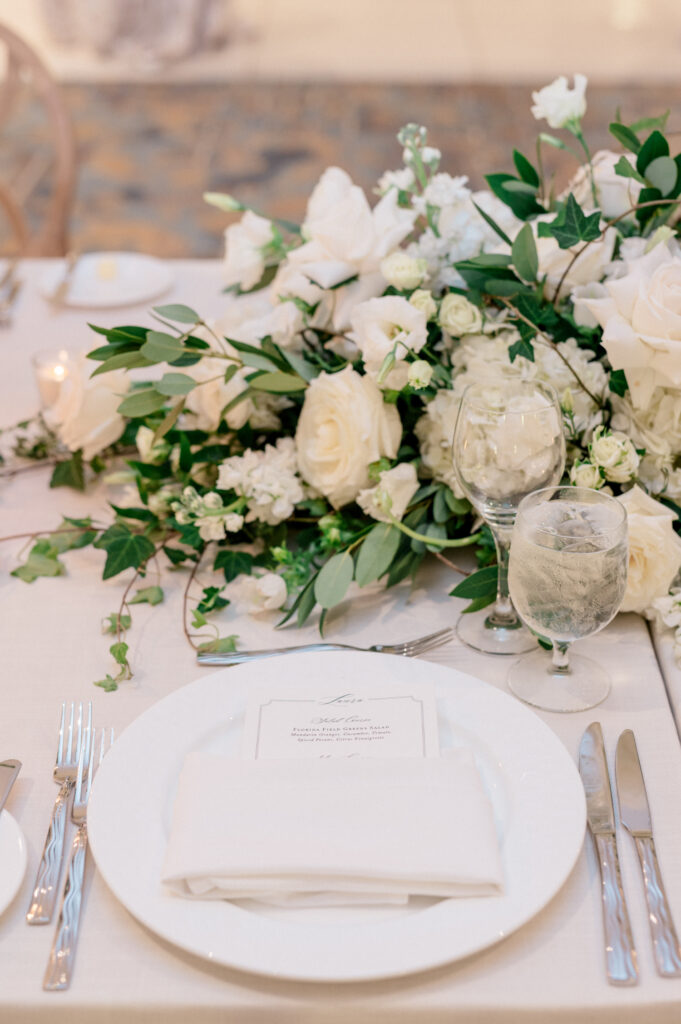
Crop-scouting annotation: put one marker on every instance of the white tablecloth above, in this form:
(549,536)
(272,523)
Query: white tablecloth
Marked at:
(551,970)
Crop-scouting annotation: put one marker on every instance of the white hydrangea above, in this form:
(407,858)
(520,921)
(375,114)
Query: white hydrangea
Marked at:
(267,479)
(435,430)
(550,368)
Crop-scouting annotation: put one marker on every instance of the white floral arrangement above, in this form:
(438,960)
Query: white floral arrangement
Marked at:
(303,440)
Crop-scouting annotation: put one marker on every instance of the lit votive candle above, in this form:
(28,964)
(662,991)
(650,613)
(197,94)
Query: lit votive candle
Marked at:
(51,370)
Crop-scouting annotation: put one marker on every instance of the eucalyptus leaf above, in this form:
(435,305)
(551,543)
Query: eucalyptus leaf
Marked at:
(662,173)
(179,313)
(277,383)
(626,169)
(376,553)
(524,253)
(175,384)
(161,347)
(122,361)
(334,579)
(142,403)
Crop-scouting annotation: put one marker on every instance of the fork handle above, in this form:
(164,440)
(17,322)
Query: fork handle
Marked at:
(238,657)
(63,953)
(44,896)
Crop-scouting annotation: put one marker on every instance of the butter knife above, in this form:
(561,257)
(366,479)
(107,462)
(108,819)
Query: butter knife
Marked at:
(620,955)
(635,816)
(8,773)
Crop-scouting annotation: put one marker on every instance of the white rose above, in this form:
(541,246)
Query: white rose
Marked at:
(258,594)
(344,425)
(380,326)
(641,321)
(580,308)
(654,550)
(403,271)
(423,299)
(208,400)
(558,104)
(587,268)
(420,374)
(459,316)
(584,474)
(615,454)
(395,489)
(244,244)
(85,414)
(616,194)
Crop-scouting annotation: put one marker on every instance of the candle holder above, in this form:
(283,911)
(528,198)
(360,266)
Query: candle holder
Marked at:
(51,367)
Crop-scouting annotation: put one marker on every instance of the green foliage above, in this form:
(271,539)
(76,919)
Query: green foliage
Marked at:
(116,623)
(524,254)
(522,347)
(233,563)
(42,561)
(519,195)
(334,579)
(69,473)
(148,595)
(211,600)
(179,313)
(480,588)
(277,382)
(172,384)
(219,645)
(572,225)
(142,403)
(376,553)
(618,383)
(124,549)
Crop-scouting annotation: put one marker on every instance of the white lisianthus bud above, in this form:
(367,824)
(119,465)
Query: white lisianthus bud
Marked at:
(233,522)
(566,403)
(459,316)
(420,374)
(212,500)
(423,299)
(390,498)
(402,271)
(584,474)
(561,106)
(615,454)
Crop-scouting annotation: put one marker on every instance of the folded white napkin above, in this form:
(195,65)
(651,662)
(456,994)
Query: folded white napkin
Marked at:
(357,831)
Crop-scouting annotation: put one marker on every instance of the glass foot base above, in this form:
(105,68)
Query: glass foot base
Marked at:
(534,681)
(475,631)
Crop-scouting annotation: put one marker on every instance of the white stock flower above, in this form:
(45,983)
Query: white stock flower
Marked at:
(344,426)
(244,243)
(551,368)
(403,271)
(420,374)
(585,474)
(85,414)
(435,432)
(382,325)
(423,300)
(403,180)
(207,401)
(390,497)
(616,194)
(641,321)
(268,480)
(590,266)
(459,316)
(615,454)
(560,105)
(654,550)
(258,594)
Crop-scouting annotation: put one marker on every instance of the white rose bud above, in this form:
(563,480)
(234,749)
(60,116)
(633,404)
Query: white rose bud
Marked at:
(420,374)
(391,496)
(584,474)
(402,271)
(615,454)
(459,316)
(257,594)
(561,106)
(423,300)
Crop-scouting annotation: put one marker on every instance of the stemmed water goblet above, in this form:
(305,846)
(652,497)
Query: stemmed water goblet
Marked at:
(508,441)
(567,577)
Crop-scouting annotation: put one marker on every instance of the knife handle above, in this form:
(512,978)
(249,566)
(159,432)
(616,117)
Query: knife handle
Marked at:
(620,955)
(662,930)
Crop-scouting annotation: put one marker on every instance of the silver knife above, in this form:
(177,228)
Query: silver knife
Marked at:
(8,773)
(635,816)
(620,955)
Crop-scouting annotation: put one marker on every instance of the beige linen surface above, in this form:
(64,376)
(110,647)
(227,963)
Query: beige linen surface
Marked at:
(549,972)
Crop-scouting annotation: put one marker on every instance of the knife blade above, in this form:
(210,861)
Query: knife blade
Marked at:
(620,954)
(635,816)
(8,773)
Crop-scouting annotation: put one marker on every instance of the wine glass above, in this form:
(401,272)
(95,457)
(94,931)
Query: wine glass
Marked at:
(508,441)
(567,575)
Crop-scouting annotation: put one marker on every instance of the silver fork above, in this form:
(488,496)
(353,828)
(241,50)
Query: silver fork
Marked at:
(408,649)
(69,747)
(62,956)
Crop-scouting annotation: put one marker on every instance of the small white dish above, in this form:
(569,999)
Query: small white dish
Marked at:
(102,280)
(13,859)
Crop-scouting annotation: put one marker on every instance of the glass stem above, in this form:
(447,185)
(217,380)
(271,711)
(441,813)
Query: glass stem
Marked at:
(503,613)
(561,660)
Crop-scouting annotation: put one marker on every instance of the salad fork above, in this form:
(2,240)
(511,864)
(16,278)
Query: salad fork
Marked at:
(69,746)
(408,649)
(63,953)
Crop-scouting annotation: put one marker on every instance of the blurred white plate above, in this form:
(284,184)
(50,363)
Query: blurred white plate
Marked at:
(530,778)
(106,279)
(13,858)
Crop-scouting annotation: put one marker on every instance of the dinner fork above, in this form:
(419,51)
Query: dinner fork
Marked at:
(69,746)
(62,956)
(408,649)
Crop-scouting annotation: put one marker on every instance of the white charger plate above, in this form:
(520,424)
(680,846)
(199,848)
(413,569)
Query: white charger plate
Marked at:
(536,793)
(13,859)
(138,278)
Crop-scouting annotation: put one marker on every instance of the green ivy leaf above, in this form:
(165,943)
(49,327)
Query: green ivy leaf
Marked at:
(42,561)
(119,652)
(175,384)
(625,136)
(522,347)
(626,169)
(124,549)
(524,254)
(655,146)
(376,553)
(572,225)
(222,644)
(115,623)
(334,579)
(618,383)
(233,564)
(179,313)
(148,595)
(211,600)
(525,169)
(69,473)
(108,684)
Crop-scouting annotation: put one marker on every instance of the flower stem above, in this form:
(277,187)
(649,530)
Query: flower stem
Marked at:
(440,542)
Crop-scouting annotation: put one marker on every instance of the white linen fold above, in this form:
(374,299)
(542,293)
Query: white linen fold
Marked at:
(332,830)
